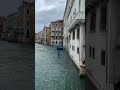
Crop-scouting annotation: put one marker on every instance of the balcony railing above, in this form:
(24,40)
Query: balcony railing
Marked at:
(79,17)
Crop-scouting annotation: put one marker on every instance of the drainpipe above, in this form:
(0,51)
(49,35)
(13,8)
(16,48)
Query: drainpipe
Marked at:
(79,43)
(79,33)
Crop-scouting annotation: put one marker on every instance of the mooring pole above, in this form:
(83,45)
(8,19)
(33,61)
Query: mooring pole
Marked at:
(58,48)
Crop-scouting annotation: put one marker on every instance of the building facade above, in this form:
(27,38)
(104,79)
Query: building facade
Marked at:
(2,25)
(48,35)
(56,32)
(26,20)
(74,31)
(10,26)
(40,37)
(103,43)
(45,34)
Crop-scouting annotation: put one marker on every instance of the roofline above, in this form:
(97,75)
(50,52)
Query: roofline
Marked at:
(57,20)
(12,14)
(65,8)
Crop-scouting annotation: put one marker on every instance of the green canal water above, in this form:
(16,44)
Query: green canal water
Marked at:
(53,73)
(17,66)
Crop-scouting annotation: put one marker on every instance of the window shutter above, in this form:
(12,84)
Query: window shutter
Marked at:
(103,14)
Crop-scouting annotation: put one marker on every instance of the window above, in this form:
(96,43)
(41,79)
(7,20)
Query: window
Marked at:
(27,11)
(27,23)
(93,55)
(52,33)
(56,37)
(93,22)
(56,33)
(60,29)
(103,57)
(56,42)
(56,29)
(103,15)
(78,33)
(73,48)
(53,29)
(90,51)
(27,34)
(77,50)
(73,34)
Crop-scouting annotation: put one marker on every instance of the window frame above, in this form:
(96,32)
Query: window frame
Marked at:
(103,57)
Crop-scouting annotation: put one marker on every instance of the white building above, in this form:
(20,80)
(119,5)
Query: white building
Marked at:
(45,35)
(74,31)
(103,43)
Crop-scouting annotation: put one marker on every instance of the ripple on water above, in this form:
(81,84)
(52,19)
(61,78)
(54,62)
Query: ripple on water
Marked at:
(53,73)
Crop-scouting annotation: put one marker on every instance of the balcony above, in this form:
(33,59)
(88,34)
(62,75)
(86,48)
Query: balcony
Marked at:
(78,18)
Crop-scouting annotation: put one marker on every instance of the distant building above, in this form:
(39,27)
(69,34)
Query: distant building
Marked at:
(2,25)
(36,38)
(56,32)
(41,34)
(10,25)
(44,35)
(103,43)
(20,26)
(48,35)
(74,32)
(40,37)
(26,22)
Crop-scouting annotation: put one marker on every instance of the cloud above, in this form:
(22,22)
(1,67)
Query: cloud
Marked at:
(9,6)
(47,11)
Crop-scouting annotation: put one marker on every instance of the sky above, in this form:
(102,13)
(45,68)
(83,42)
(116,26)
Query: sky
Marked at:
(8,6)
(47,11)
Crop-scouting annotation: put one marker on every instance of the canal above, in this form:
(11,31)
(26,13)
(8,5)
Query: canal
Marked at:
(53,73)
(17,66)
